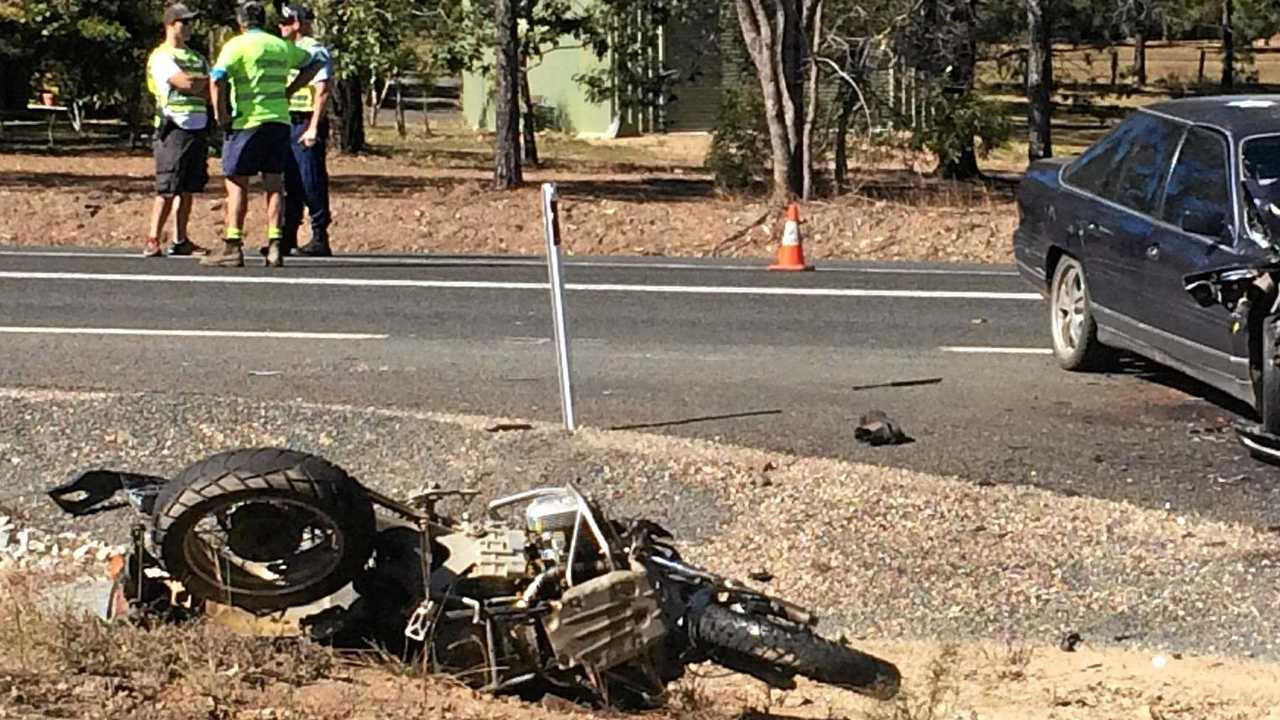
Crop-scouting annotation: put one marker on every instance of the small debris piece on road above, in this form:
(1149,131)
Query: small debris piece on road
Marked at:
(508,427)
(877,429)
(898,384)
(1070,642)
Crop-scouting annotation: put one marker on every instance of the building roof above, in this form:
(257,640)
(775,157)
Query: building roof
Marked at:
(1238,115)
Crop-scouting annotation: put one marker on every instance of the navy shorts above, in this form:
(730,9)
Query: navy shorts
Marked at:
(262,149)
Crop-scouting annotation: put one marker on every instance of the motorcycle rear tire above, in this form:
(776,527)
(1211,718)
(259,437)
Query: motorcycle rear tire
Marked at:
(743,642)
(267,474)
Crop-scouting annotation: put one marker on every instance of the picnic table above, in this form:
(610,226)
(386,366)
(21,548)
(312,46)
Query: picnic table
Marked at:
(52,112)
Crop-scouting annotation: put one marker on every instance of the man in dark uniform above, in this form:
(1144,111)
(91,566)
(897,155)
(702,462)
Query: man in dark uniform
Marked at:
(306,177)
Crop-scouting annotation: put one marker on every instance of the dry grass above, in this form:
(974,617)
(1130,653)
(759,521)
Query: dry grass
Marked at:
(55,659)
(932,699)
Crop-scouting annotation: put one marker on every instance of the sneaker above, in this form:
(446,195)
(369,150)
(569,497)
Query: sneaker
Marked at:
(315,249)
(285,250)
(231,255)
(186,247)
(153,249)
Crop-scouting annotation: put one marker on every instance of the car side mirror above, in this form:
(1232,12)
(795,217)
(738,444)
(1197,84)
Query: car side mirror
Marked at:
(1211,223)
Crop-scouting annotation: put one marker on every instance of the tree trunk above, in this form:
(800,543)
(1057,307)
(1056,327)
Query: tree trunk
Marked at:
(963,73)
(374,103)
(848,100)
(1039,78)
(811,100)
(1140,56)
(350,112)
(507,171)
(402,127)
(1228,47)
(776,35)
(530,122)
(1115,67)
(529,119)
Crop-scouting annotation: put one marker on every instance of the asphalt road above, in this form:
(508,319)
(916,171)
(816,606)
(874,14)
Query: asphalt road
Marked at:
(702,349)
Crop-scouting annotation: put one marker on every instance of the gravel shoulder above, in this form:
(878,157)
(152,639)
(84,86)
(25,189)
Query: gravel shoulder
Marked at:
(886,555)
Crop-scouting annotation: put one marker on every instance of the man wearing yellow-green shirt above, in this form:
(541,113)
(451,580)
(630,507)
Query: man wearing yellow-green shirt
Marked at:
(250,93)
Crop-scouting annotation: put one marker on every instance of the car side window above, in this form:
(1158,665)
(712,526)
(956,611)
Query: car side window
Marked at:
(1141,165)
(1199,184)
(1129,165)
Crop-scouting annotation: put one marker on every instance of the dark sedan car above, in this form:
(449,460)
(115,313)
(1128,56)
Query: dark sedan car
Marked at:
(1180,190)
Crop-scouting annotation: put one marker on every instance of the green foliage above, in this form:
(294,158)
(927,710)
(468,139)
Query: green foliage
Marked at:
(960,121)
(740,149)
(59,36)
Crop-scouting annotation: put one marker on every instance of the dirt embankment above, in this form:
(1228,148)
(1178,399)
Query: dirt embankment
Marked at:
(103,200)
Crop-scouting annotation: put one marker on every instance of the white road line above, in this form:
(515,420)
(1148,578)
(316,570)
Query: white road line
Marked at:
(487,285)
(249,334)
(428,261)
(995,350)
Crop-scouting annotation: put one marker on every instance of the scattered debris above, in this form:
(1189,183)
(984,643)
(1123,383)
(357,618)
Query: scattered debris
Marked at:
(1070,642)
(898,384)
(265,373)
(508,427)
(762,575)
(877,429)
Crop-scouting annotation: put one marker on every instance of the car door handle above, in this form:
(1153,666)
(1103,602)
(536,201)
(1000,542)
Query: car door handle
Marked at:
(1153,252)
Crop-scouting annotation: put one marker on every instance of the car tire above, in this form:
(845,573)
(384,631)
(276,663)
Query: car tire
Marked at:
(1071,323)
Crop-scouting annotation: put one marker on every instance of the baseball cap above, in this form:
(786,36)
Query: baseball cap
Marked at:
(178,11)
(296,11)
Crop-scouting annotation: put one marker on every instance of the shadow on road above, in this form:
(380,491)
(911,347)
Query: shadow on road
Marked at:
(1152,372)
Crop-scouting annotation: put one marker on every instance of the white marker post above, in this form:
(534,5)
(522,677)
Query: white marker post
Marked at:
(551,218)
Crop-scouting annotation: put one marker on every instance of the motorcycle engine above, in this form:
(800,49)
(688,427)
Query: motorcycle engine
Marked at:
(551,519)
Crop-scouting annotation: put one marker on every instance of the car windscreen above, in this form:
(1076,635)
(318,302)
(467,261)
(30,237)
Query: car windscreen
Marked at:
(1262,159)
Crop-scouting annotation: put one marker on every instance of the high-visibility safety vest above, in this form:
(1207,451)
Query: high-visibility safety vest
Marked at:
(305,99)
(191,63)
(257,65)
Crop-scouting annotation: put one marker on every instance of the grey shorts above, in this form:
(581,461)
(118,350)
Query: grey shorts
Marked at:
(181,160)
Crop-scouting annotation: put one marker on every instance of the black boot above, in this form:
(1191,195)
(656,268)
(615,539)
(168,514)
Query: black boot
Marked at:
(316,248)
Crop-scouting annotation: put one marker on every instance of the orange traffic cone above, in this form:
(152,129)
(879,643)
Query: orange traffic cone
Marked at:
(791,251)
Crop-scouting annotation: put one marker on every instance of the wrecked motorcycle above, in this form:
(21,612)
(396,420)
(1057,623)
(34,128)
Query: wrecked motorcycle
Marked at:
(542,594)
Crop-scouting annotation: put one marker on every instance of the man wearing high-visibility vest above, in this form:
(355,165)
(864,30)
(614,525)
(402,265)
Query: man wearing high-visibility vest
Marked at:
(178,78)
(306,177)
(250,92)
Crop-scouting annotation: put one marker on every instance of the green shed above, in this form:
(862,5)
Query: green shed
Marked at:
(680,53)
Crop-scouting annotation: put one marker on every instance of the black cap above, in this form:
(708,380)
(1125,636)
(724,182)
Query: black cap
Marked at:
(296,11)
(178,11)
(251,14)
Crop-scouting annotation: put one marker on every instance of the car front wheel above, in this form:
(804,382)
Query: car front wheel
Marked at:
(1071,321)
